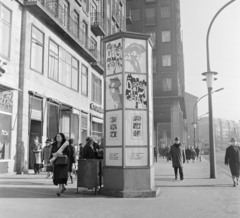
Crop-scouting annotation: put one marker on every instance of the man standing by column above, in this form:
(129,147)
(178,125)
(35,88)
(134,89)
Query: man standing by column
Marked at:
(178,158)
(232,157)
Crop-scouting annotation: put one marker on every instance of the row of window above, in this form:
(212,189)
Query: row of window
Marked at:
(62,67)
(150,13)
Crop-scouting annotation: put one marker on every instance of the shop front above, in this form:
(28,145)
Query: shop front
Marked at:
(96,118)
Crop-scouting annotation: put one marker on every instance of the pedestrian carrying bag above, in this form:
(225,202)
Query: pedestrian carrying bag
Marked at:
(61,161)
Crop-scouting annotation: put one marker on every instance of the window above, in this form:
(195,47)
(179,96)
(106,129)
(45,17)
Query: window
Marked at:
(84,80)
(76,23)
(167,84)
(97,129)
(166,60)
(37,50)
(5,30)
(85,5)
(65,12)
(96,89)
(136,15)
(166,36)
(85,31)
(94,42)
(63,68)
(150,16)
(153,36)
(165,12)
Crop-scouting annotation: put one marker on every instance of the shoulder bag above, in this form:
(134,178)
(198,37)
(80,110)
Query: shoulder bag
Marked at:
(61,161)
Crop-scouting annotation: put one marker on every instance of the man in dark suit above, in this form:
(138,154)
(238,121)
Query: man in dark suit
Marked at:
(232,158)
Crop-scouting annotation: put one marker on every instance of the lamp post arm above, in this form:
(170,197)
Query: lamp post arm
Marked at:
(208,32)
(195,106)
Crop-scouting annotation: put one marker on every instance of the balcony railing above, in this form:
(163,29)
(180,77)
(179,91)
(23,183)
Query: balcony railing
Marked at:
(98,24)
(70,26)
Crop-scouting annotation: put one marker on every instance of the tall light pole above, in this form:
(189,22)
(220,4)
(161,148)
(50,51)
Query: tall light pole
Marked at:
(209,78)
(195,119)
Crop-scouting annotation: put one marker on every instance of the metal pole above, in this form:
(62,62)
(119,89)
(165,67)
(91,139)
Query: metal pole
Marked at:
(212,158)
(194,137)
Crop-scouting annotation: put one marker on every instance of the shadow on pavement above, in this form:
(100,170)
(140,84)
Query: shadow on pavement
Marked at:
(199,186)
(8,192)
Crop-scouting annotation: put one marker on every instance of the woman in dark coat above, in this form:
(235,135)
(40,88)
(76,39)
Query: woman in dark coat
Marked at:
(89,151)
(60,172)
(232,158)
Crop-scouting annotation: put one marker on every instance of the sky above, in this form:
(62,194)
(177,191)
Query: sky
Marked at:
(224,50)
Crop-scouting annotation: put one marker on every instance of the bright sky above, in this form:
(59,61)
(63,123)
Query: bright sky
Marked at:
(224,47)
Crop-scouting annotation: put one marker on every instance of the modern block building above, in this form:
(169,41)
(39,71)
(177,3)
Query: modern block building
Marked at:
(161,19)
(54,58)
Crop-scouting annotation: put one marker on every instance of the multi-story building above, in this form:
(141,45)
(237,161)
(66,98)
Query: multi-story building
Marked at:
(224,130)
(53,52)
(161,19)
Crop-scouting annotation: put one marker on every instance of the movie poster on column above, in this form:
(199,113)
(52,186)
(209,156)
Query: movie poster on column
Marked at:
(136,156)
(136,91)
(114,57)
(114,92)
(114,128)
(135,55)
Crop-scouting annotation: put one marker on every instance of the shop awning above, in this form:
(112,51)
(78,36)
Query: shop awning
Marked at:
(5,87)
(97,120)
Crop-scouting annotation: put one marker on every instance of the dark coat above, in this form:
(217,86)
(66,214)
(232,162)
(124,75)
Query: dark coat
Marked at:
(197,151)
(72,157)
(193,154)
(60,173)
(88,152)
(177,155)
(188,154)
(232,157)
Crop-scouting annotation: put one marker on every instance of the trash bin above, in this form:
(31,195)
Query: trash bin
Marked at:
(89,173)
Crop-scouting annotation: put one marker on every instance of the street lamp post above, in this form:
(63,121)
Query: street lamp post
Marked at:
(209,78)
(194,119)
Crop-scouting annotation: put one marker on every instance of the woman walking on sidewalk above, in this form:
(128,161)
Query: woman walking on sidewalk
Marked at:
(178,158)
(60,172)
(232,157)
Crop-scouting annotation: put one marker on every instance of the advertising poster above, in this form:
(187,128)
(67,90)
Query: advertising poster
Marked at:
(136,127)
(114,92)
(114,57)
(136,91)
(113,156)
(136,157)
(135,56)
(113,128)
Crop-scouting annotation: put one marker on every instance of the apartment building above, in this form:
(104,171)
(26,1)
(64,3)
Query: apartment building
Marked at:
(161,20)
(57,71)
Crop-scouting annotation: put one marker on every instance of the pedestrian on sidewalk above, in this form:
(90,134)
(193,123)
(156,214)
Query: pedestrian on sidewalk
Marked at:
(193,154)
(232,158)
(60,172)
(197,151)
(72,159)
(188,153)
(46,157)
(36,155)
(155,153)
(178,158)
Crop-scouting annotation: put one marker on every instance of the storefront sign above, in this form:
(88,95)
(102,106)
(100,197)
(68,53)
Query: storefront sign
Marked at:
(96,108)
(6,99)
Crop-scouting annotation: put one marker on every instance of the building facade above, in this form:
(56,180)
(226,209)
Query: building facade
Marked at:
(161,20)
(224,130)
(57,64)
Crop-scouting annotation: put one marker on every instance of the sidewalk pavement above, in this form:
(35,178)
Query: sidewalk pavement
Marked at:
(24,196)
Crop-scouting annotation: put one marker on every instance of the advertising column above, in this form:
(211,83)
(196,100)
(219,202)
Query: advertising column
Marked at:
(128,110)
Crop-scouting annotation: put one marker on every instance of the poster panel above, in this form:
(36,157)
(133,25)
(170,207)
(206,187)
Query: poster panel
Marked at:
(136,127)
(114,92)
(113,156)
(136,156)
(136,91)
(135,55)
(114,57)
(113,128)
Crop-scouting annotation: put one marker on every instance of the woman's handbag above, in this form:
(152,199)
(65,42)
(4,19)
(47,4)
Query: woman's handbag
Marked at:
(49,168)
(61,161)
